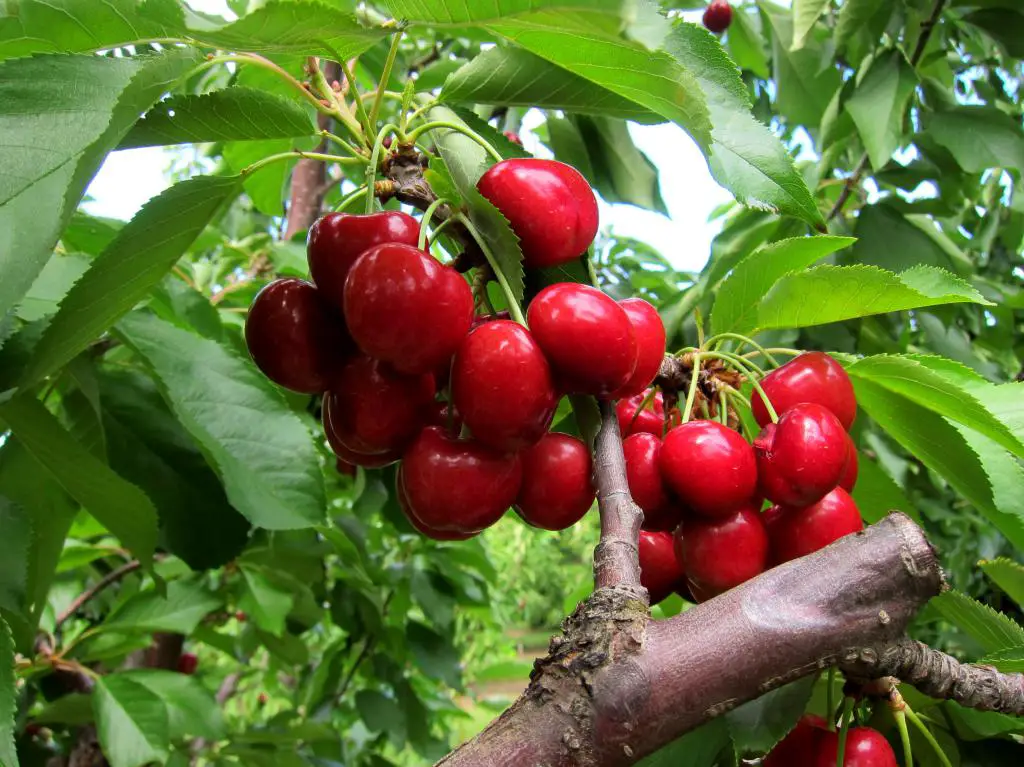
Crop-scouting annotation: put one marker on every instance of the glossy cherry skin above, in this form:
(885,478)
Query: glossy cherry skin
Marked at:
(430,532)
(646,485)
(796,532)
(458,484)
(502,386)
(336,240)
(811,377)
(651,419)
(444,415)
(586,336)
(650,345)
(557,488)
(405,308)
(800,746)
(849,478)
(865,747)
(294,336)
(660,569)
(372,409)
(187,663)
(549,205)
(802,457)
(719,554)
(710,467)
(718,16)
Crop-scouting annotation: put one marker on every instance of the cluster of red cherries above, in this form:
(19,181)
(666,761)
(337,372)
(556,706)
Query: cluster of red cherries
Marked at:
(702,487)
(812,744)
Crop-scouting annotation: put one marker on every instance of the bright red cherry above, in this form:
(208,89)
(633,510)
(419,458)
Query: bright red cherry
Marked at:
(549,205)
(187,663)
(710,467)
(849,478)
(719,554)
(796,532)
(372,409)
(430,532)
(586,336)
(650,345)
(645,482)
(458,484)
(502,386)
(802,457)
(718,16)
(651,418)
(336,240)
(865,747)
(811,377)
(294,336)
(404,307)
(800,746)
(660,569)
(557,488)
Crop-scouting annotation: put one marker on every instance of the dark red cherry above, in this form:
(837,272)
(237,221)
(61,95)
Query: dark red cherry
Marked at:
(660,569)
(404,307)
(650,345)
(710,467)
(645,483)
(557,488)
(800,746)
(458,484)
(430,532)
(372,409)
(502,386)
(294,336)
(796,532)
(718,16)
(336,240)
(802,457)
(849,478)
(586,336)
(345,468)
(187,663)
(719,554)
(865,747)
(651,417)
(811,377)
(549,205)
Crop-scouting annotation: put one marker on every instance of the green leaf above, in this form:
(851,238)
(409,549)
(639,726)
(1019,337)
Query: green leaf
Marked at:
(876,493)
(1010,661)
(853,16)
(229,408)
(191,709)
(378,712)
(1006,478)
(739,296)
(187,603)
(979,137)
(131,722)
(1004,25)
(756,727)
(118,505)
(879,104)
(434,653)
(8,698)
(1007,575)
(805,15)
(698,748)
(891,240)
(745,157)
(834,293)
(622,172)
(16,523)
(231,114)
(52,284)
(264,600)
(51,148)
(746,41)
(990,629)
(74,708)
(138,258)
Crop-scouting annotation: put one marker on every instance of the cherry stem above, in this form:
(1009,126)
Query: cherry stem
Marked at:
(385,76)
(350,148)
(775,350)
(723,405)
(915,720)
(357,99)
(744,366)
(371,170)
(691,392)
(830,701)
(441,227)
(464,130)
(425,221)
(297,154)
(901,724)
(510,299)
(742,340)
(844,728)
(351,198)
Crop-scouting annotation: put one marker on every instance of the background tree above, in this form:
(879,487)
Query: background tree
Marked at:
(160,500)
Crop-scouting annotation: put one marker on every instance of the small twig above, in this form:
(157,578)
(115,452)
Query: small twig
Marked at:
(368,646)
(104,582)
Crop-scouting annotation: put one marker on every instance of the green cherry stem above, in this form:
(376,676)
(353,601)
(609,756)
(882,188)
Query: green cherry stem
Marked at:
(844,729)
(646,401)
(901,724)
(464,130)
(750,370)
(349,199)
(915,720)
(351,149)
(371,169)
(774,350)
(385,76)
(742,340)
(830,700)
(691,392)
(510,299)
(297,154)
(357,99)
(425,221)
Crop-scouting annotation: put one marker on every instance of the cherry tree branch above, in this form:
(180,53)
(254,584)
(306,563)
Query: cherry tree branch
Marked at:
(110,578)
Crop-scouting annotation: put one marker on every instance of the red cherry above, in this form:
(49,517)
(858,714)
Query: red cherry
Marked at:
(373,409)
(586,336)
(800,746)
(32,729)
(660,569)
(650,345)
(345,468)
(710,467)
(444,415)
(294,336)
(502,386)
(366,460)
(405,308)
(513,137)
(645,483)
(796,532)
(849,478)
(241,617)
(651,418)
(811,377)
(549,205)
(336,240)
(865,747)
(430,532)
(718,16)
(557,488)
(458,484)
(719,554)
(187,663)
(262,699)
(802,457)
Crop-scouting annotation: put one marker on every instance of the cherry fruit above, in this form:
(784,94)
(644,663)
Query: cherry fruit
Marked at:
(634,419)
(549,205)
(802,457)
(865,747)
(661,572)
(557,489)
(849,478)
(502,386)
(650,345)
(710,467)
(645,484)
(336,240)
(719,554)
(811,377)
(586,336)
(187,663)
(796,532)
(800,746)
(430,532)
(294,336)
(718,16)
(405,308)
